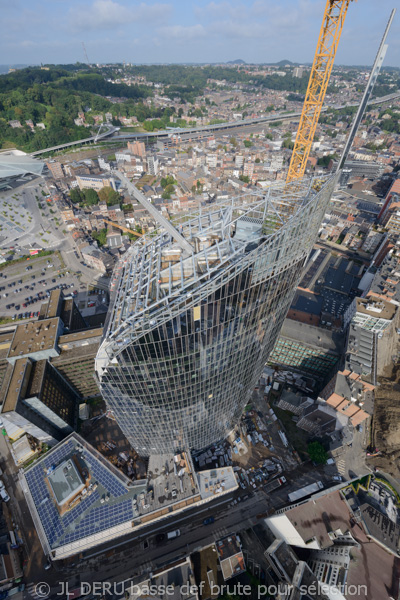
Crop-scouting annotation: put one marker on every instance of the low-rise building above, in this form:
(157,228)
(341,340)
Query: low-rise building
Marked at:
(97,259)
(56,169)
(95,182)
(79,500)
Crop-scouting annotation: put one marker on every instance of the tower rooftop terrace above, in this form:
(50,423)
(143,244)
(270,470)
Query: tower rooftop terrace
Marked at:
(156,270)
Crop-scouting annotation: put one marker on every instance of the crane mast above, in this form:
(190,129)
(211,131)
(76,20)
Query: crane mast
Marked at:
(85,53)
(332,25)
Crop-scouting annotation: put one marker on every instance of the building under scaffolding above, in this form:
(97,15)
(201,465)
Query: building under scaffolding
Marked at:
(192,323)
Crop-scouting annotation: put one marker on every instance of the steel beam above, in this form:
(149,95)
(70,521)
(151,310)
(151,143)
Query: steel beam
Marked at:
(183,243)
(367,92)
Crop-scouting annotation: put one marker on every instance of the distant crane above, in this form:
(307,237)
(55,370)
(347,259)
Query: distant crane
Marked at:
(98,132)
(123,228)
(84,50)
(331,30)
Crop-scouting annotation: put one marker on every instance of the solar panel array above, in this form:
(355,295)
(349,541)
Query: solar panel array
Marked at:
(48,513)
(100,518)
(73,514)
(85,519)
(58,455)
(104,477)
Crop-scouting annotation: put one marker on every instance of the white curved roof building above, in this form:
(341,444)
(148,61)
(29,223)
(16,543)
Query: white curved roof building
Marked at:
(14,163)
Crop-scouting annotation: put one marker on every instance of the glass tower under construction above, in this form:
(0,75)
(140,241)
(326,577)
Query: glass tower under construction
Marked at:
(191,326)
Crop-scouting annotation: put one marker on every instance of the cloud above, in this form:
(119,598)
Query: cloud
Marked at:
(237,30)
(264,20)
(221,9)
(107,14)
(182,33)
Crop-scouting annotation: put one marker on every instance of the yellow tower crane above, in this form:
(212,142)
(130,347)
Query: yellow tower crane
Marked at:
(123,228)
(332,25)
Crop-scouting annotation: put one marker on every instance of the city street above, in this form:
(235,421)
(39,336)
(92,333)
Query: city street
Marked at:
(133,557)
(33,552)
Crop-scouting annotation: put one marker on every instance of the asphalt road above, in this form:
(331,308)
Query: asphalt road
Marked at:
(43,221)
(133,557)
(33,551)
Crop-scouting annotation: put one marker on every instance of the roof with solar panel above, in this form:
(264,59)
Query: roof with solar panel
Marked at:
(78,494)
(78,499)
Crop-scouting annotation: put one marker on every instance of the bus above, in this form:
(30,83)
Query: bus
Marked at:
(305,491)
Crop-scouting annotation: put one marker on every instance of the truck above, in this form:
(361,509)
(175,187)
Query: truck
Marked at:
(173,534)
(305,491)
(274,484)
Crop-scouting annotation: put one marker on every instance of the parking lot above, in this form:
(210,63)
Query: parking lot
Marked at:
(25,285)
(28,219)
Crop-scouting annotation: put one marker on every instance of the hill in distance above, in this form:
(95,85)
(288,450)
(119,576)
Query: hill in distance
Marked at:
(282,63)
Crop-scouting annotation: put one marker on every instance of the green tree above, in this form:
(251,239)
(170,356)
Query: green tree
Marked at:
(257,160)
(169,180)
(109,195)
(100,236)
(247,143)
(244,178)
(91,196)
(233,141)
(287,143)
(199,186)
(324,161)
(75,195)
(317,453)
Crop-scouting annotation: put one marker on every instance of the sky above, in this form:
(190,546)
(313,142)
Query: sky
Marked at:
(176,31)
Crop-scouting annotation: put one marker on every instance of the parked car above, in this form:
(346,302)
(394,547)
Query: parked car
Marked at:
(208,521)
(4,496)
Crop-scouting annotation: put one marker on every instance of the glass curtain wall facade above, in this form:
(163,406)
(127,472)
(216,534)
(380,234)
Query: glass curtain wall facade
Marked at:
(188,336)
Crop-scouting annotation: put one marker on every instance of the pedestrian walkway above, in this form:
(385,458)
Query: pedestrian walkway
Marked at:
(220,533)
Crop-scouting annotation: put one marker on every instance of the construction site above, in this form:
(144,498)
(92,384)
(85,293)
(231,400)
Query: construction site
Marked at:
(385,430)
